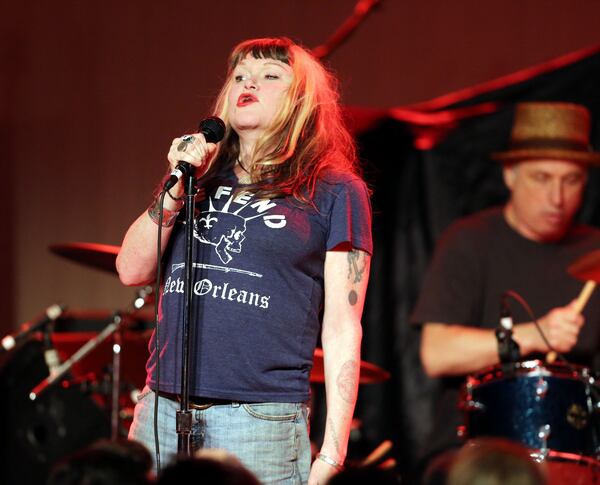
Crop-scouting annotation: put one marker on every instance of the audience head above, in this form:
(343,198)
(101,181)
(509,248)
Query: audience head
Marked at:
(105,463)
(494,461)
(364,475)
(214,466)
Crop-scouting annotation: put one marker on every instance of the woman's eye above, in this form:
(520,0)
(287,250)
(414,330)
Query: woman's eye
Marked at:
(240,78)
(271,76)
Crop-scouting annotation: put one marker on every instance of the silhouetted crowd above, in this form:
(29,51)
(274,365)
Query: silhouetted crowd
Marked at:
(485,461)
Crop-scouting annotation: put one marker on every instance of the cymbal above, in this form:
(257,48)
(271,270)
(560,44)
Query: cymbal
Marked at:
(99,256)
(369,373)
(586,267)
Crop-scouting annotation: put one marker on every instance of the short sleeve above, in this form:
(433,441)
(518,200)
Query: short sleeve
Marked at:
(350,217)
(451,288)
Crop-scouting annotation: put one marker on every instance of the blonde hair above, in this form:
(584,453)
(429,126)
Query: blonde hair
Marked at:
(307,136)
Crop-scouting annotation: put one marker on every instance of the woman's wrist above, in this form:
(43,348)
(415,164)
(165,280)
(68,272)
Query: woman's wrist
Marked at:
(172,204)
(338,465)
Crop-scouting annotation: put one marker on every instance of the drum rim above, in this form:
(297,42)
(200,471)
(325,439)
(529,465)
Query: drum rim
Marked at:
(565,456)
(532,368)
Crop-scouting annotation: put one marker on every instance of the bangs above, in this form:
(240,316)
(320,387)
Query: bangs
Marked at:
(269,48)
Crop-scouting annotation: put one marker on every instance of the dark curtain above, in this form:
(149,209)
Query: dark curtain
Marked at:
(416,195)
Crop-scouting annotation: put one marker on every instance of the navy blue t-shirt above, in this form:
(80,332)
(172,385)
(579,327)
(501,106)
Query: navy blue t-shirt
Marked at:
(258,289)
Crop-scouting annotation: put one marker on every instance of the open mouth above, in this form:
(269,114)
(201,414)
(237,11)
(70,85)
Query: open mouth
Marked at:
(246,99)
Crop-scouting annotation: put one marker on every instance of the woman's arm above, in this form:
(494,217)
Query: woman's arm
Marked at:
(346,277)
(136,261)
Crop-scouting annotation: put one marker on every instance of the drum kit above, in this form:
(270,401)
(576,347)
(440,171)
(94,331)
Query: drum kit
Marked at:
(551,407)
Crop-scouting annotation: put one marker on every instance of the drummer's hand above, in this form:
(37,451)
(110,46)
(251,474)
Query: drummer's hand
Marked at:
(197,152)
(561,326)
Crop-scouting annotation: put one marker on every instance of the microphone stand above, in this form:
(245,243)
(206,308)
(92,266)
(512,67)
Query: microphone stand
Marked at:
(184,414)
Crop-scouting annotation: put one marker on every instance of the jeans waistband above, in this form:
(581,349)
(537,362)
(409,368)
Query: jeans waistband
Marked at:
(197,402)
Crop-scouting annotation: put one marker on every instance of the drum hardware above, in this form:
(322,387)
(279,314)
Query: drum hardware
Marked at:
(541,389)
(543,435)
(43,322)
(472,405)
(114,327)
(577,416)
(469,404)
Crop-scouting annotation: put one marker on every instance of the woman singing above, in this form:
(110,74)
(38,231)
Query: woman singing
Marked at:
(282,237)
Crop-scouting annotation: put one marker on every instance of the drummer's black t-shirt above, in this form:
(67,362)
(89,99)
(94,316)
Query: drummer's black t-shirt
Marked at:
(477,259)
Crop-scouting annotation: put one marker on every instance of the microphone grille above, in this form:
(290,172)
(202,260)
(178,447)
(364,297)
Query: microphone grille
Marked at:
(212,128)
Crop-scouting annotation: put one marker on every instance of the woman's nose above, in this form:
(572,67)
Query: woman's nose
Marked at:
(250,83)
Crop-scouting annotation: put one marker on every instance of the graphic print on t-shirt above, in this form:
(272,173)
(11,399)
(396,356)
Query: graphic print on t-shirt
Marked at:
(225,228)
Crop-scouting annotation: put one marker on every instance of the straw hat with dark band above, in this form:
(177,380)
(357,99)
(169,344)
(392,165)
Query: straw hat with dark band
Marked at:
(558,131)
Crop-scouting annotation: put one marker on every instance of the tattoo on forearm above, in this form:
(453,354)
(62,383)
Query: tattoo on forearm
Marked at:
(333,434)
(352,297)
(354,268)
(347,381)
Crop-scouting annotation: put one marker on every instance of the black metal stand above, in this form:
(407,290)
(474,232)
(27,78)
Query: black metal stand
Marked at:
(115,384)
(184,415)
(113,327)
(508,350)
(84,350)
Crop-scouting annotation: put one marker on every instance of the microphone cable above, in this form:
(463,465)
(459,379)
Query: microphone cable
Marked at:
(161,202)
(519,299)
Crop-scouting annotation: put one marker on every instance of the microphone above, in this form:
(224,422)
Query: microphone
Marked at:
(50,315)
(50,353)
(213,130)
(506,320)
(508,349)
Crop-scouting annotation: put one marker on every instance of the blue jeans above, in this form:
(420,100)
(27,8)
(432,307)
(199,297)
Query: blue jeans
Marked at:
(270,439)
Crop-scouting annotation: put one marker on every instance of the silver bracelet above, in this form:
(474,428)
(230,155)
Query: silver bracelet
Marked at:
(330,461)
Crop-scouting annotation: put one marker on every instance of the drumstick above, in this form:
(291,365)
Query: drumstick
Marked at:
(580,303)
(377,453)
(584,296)
(388,464)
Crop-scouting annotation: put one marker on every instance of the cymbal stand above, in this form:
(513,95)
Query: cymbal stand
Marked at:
(113,327)
(115,385)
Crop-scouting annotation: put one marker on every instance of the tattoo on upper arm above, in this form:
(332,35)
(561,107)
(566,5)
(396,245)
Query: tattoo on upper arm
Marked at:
(347,381)
(355,268)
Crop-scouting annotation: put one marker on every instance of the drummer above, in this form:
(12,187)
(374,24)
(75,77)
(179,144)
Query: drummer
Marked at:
(525,246)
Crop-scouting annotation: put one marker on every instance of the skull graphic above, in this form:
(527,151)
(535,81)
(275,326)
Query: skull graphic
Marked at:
(222,230)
